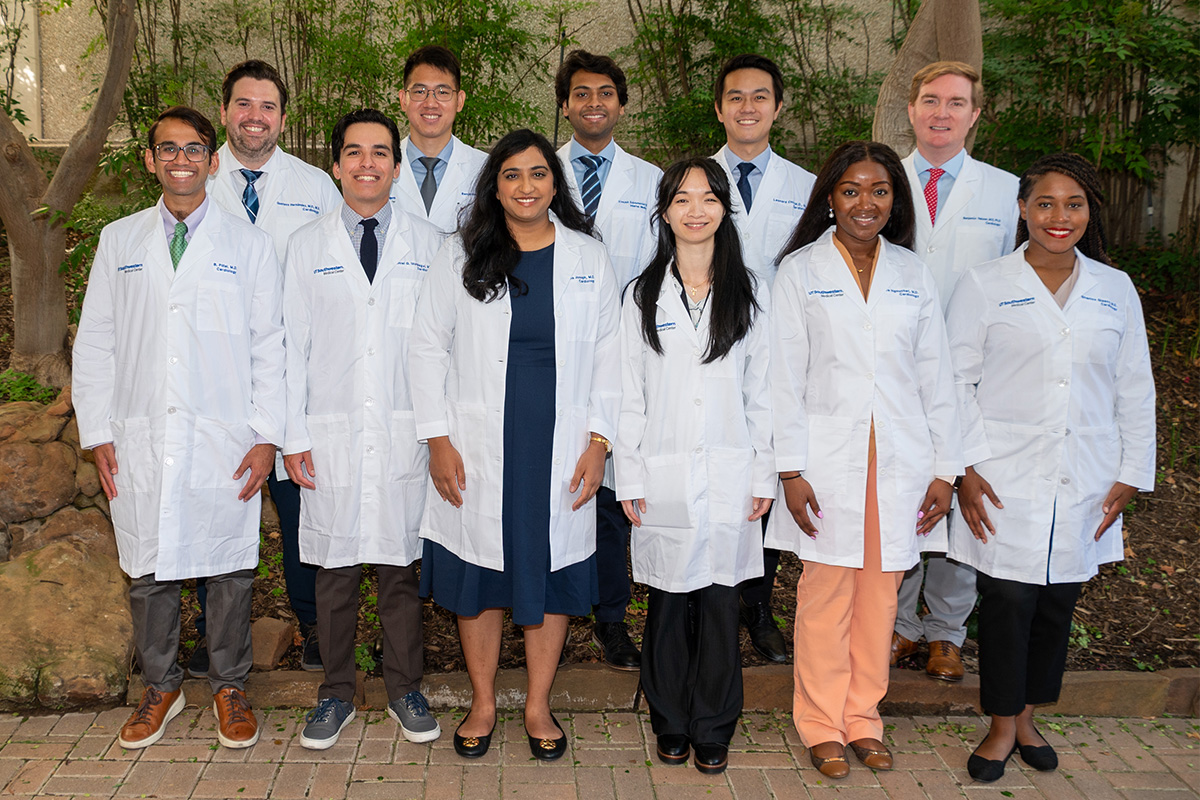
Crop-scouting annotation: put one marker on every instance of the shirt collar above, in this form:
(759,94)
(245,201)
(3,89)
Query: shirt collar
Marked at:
(951,167)
(193,220)
(761,160)
(608,153)
(351,218)
(230,163)
(414,152)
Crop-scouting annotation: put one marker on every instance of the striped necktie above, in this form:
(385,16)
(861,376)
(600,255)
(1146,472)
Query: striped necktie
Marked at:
(589,192)
(249,195)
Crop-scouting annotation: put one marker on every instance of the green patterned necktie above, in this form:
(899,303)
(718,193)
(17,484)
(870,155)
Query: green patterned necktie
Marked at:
(178,243)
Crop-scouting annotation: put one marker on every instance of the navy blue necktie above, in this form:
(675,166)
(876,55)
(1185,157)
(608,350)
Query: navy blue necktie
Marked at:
(368,251)
(589,192)
(249,196)
(743,183)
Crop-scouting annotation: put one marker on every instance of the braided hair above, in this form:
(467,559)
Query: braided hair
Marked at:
(1094,243)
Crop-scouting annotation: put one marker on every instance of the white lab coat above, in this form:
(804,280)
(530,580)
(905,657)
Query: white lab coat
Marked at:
(179,369)
(625,216)
(693,440)
(1057,404)
(781,198)
(977,222)
(455,191)
(838,362)
(349,399)
(457,353)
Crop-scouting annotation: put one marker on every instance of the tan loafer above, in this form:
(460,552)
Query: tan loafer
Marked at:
(872,756)
(832,767)
(902,648)
(945,662)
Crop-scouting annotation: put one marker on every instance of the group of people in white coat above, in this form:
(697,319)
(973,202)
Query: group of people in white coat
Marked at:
(498,363)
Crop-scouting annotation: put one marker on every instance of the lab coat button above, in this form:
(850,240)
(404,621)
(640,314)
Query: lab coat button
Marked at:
(370,449)
(560,412)
(699,450)
(170,409)
(870,376)
(1064,481)
(558,461)
(371,302)
(1062,382)
(867,326)
(1066,331)
(1068,433)
(175,307)
(695,351)
(173,360)
(170,462)
(370,351)
(699,401)
(933,249)
(562,362)
(369,402)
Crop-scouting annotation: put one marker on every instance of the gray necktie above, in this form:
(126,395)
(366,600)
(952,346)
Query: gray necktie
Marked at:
(429,185)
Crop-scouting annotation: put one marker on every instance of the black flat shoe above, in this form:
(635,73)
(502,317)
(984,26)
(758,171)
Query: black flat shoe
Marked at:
(764,634)
(711,759)
(985,770)
(1042,758)
(548,749)
(472,746)
(673,748)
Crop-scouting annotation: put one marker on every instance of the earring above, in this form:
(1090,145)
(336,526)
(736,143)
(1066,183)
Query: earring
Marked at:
(831,213)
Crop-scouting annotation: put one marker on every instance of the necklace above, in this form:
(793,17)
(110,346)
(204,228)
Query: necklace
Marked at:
(693,289)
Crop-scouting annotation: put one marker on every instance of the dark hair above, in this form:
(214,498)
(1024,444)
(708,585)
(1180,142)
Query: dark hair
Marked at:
(583,61)
(192,117)
(491,252)
(1094,243)
(436,56)
(732,287)
(364,115)
(259,71)
(750,61)
(901,225)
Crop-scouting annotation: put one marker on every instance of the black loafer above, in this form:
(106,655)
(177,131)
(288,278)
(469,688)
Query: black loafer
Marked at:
(764,636)
(310,655)
(472,746)
(1042,758)
(197,666)
(711,759)
(617,650)
(673,748)
(548,749)
(985,770)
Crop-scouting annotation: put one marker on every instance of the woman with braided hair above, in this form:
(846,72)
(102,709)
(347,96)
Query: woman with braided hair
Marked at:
(1057,409)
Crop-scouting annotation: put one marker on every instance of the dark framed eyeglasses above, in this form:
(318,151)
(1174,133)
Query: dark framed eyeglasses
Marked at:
(443,94)
(169,152)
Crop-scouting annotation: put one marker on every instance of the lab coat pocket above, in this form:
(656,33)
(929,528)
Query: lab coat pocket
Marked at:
(983,242)
(219,308)
(667,492)
(406,461)
(729,477)
(779,227)
(912,446)
(1016,456)
(330,435)
(403,302)
(137,462)
(1097,337)
(218,448)
(828,438)
(580,313)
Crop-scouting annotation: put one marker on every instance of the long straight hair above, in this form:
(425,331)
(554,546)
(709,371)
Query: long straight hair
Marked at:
(732,290)
(491,252)
(1094,243)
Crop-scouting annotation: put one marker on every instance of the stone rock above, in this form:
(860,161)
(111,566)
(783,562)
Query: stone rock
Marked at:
(62,406)
(1183,694)
(31,422)
(82,501)
(70,435)
(38,479)
(270,639)
(100,501)
(91,528)
(1111,694)
(66,635)
(14,417)
(5,542)
(87,478)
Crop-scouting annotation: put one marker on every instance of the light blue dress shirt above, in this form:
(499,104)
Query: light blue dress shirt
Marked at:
(759,161)
(946,182)
(608,154)
(414,155)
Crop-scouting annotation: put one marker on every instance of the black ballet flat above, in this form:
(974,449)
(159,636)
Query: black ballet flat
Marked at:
(674,748)
(472,746)
(1042,758)
(985,770)
(548,749)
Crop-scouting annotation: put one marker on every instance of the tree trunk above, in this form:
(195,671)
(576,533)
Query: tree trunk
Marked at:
(39,303)
(942,30)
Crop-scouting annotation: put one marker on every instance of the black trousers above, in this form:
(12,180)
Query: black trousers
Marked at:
(758,590)
(691,664)
(1023,634)
(612,564)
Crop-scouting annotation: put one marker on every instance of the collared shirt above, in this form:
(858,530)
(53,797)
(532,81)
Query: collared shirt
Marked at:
(760,161)
(946,182)
(578,151)
(232,168)
(414,155)
(351,219)
(192,221)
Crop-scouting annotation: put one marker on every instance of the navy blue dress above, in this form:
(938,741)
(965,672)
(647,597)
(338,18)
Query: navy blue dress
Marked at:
(526,585)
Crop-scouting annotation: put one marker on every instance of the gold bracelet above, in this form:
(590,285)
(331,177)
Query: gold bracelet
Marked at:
(607,444)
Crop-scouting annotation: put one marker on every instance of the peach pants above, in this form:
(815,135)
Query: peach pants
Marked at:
(843,639)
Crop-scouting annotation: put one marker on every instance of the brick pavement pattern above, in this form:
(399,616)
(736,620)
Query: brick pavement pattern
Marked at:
(611,757)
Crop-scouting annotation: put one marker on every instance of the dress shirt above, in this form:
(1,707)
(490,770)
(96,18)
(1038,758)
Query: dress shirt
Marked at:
(607,154)
(192,220)
(414,156)
(756,175)
(946,182)
(351,219)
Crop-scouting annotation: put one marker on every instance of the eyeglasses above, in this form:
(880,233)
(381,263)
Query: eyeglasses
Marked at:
(443,94)
(168,151)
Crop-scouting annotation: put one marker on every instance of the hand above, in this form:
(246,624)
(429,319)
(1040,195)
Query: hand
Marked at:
(970,501)
(632,507)
(1118,497)
(761,506)
(799,496)
(589,472)
(446,470)
(299,466)
(259,461)
(936,505)
(106,465)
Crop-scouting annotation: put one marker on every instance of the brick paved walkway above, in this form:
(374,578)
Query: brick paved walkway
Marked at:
(611,757)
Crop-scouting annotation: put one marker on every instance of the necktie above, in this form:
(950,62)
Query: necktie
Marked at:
(249,195)
(178,244)
(368,251)
(931,192)
(589,192)
(744,182)
(429,185)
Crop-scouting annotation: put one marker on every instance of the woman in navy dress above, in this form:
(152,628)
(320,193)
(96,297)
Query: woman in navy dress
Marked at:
(514,364)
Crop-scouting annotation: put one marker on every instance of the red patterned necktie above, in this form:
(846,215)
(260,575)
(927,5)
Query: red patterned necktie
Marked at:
(931,192)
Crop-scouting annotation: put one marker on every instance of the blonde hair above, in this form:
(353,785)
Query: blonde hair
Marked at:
(931,72)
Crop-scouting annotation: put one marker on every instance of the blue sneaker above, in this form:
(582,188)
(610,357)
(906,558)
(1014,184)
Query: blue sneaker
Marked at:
(416,723)
(324,723)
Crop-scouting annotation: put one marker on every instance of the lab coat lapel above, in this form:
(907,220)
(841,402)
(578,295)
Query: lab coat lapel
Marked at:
(924,225)
(769,187)
(395,249)
(965,187)
(406,185)
(620,178)
(567,262)
(884,278)
(671,304)
(278,177)
(835,271)
(448,188)
(342,251)
(564,158)
(736,206)
(1088,279)
(1031,285)
(201,245)
(151,244)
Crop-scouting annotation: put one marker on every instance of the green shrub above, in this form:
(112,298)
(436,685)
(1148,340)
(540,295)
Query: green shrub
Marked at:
(15,386)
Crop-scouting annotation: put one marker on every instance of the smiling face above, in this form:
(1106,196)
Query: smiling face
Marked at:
(747,108)
(253,121)
(431,120)
(1056,214)
(182,180)
(593,108)
(861,202)
(695,212)
(366,166)
(942,117)
(525,187)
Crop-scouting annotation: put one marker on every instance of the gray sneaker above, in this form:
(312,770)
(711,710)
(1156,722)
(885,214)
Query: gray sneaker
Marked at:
(324,723)
(416,723)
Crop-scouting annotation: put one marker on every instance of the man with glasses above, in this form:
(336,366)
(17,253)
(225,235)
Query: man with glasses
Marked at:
(437,178)
(178,387)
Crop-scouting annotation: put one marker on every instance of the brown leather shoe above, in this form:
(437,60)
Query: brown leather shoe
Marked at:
(872,754)
(832,767)
(236,725)
(146,725)
(901,648)
(945,663)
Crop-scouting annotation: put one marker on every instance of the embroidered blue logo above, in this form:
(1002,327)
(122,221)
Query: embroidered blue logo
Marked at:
(130,268)
(634,204)
(665,326)
(584,279)
(913,293)
(1109,304)
(825,294)
(229,269)
(792,205)
(329,270)
(414,265)
(990,221)
(1023,301)
(309,207)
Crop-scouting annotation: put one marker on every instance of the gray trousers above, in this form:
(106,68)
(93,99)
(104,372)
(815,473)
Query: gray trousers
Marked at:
(155,608)
(400,616)
(950,595)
